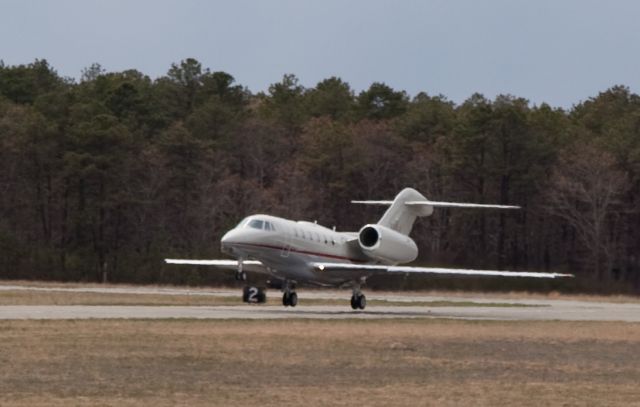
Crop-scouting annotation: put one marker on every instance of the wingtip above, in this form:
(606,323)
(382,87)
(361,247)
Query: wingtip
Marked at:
(563,275)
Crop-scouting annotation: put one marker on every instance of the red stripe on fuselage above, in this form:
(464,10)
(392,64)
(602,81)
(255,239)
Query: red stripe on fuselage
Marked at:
(331,256)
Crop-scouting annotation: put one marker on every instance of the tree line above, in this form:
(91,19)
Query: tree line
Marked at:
(105,176)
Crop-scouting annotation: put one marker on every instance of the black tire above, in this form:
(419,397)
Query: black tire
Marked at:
(362,301)
(354,303)
(293,299)
(262,297)
(285,300)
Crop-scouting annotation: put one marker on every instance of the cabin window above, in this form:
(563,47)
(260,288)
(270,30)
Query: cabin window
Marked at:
(333,242)
(256,224)
(242,223)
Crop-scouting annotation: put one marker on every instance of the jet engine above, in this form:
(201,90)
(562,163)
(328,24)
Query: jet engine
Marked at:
(386,245)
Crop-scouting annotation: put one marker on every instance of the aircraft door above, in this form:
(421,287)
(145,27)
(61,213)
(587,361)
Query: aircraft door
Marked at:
(286,244)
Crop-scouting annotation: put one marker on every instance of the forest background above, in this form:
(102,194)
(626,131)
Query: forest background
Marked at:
(102,178)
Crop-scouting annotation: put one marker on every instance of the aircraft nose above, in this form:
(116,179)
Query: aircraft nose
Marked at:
(227,241)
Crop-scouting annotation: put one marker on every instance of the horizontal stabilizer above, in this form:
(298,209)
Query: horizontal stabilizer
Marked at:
(439,204)
(384,203)
(459,205)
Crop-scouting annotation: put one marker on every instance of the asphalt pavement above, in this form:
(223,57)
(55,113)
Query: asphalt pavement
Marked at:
(486,308)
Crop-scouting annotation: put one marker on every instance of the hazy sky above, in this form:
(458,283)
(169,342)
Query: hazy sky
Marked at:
(558,51)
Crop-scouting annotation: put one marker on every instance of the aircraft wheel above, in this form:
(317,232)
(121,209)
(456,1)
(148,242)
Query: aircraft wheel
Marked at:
(285,299)
(362,301)
(293,299)
(354,303)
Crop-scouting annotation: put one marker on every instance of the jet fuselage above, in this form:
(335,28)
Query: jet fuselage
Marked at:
(287,248)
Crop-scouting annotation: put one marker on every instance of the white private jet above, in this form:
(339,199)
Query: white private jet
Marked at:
(303,252)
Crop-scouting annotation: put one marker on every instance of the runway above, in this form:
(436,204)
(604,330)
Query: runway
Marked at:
(483,308)
(600,312)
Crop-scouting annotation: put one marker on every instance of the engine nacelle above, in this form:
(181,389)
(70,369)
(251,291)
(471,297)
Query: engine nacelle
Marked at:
(386,245)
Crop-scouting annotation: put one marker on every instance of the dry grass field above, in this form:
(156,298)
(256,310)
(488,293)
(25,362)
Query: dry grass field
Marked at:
(318,363)
(23,297)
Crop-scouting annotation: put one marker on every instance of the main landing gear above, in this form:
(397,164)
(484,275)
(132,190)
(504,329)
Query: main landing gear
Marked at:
(358,300)
(290,299)
(289,296)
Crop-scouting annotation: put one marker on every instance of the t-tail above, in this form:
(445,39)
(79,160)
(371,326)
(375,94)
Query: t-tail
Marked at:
(410,204)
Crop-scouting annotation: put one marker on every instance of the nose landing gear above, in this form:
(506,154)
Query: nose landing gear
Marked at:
(240,275)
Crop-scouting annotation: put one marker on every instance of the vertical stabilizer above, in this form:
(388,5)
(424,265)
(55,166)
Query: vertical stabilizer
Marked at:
(399,216)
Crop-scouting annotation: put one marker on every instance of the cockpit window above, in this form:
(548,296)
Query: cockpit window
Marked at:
(256,224)
(269,226)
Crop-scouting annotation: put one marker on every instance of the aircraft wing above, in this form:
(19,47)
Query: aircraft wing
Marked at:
(247,265)
(381,269)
